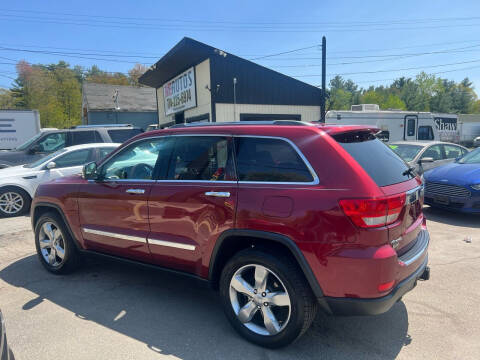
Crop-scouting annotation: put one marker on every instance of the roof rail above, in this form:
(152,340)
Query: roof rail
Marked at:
(100,126)
(230,123)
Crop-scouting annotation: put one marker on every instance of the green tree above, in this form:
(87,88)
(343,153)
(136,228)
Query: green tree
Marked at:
(7,101)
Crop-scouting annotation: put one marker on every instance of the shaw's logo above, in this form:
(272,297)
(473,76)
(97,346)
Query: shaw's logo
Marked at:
(6,123)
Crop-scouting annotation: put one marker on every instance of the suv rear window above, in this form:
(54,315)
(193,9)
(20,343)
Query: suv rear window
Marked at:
(122,135)
(377,159)
(269,160)
(85,137)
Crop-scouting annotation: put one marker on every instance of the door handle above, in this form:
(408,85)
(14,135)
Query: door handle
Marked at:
(135,191)
(223,194)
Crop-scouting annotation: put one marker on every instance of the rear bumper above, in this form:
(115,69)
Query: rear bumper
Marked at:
(375,306)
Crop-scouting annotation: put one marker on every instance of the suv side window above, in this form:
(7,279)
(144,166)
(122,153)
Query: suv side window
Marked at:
(85,137)
(269,160)
(122,135)
(425,133)
(207,158)
(135,162)
(52,142)
(74,158)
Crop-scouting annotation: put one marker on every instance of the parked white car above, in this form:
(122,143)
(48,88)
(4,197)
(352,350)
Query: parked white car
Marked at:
(19,183)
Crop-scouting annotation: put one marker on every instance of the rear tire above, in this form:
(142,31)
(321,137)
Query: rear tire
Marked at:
(272,312)
(55,247)
(14,201)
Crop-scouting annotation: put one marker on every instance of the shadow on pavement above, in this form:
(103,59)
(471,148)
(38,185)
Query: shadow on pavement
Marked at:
(174,315)
(452,218)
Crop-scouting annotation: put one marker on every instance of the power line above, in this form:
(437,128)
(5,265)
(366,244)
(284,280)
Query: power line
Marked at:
(286,52)
(393,70)
(216,27)
(203,21)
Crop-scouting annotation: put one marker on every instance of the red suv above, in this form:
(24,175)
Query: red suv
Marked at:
(281,218)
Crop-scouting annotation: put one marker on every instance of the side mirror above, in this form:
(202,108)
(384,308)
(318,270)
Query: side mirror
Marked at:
(426,160)
(51,165)
(89,171)
(35,149)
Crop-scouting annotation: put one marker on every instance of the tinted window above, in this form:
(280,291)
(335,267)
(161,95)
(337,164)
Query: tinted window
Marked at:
(411,127)
(134,162)
(425,133)
(202,158)
(52,142)
(85,137)
(434,152)
(74,158)
(122,135)
(270,160)
(377,159)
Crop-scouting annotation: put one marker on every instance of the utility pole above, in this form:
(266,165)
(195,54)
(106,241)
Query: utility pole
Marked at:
(324,75)
(234,99)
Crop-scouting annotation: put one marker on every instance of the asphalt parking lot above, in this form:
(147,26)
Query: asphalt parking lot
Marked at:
(109,310)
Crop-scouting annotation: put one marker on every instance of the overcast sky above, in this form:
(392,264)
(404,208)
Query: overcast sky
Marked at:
(370,42)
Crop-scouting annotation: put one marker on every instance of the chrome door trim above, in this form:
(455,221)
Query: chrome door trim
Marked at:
(171,244)
(115,235)
(224,194)
(135,191)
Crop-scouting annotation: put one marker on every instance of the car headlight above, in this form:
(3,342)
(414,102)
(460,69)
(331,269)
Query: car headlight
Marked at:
(475,187)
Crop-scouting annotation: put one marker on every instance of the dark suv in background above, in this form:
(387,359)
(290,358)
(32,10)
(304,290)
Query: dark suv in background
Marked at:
(50,141)
(280,218)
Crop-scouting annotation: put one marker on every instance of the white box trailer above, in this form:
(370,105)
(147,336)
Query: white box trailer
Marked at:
(17,126)
(395,125)
(447,126)
(468,131)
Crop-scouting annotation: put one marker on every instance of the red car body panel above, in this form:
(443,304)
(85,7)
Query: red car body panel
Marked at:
(347,261)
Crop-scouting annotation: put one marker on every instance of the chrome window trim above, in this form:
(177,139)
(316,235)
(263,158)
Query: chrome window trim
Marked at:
(290,142)
(171,244)
(295,147)
(116,235)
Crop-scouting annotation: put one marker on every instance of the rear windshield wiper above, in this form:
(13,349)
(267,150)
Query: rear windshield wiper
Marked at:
(409,171)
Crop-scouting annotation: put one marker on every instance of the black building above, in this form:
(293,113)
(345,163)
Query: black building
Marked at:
(197,82)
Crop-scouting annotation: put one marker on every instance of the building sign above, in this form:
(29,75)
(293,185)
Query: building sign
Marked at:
(446,124)
(179,93)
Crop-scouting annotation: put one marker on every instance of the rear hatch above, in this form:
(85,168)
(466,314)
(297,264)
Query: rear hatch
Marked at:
(400,207)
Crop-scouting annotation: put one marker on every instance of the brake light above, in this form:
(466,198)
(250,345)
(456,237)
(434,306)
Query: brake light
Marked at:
(370,213)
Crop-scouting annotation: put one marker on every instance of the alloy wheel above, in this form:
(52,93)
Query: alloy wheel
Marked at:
(52,244)
(260,300)
(11,202)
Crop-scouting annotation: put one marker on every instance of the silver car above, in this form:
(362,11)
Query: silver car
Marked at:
(476,142)
(426,155)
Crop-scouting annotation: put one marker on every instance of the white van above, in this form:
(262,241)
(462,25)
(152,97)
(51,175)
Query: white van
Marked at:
(395,125)
(17,126)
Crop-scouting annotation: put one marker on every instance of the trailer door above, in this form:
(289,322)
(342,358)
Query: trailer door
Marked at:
(410,127)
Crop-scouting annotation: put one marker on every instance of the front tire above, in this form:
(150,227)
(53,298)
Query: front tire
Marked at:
(55,247)
(266,298)
(13,201)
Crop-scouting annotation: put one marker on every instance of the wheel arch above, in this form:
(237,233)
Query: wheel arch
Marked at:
(43,208)
(232,241)
(21,187)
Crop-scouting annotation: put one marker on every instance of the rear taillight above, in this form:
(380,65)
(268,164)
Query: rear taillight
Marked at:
(369,213)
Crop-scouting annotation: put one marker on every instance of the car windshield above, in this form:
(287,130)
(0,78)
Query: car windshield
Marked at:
(406,152)
(470,158)
(44,159)
(26,144)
